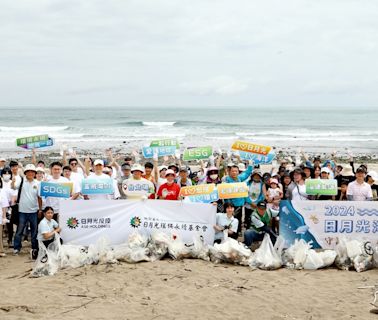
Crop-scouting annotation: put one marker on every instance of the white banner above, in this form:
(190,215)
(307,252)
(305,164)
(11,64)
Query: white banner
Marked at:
(84,222)
(323,222)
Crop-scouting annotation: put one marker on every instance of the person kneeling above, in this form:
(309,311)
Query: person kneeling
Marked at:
(48,227)
(261,219)
(226,223)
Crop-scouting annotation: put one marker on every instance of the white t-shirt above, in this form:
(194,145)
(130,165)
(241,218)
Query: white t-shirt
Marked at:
(360,192)
(29,196)
(53,201)
(46,226)
(299,194)
(18,182)
(77,177)
(222,220)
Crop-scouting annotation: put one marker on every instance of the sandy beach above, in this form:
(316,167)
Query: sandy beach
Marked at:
(186,289)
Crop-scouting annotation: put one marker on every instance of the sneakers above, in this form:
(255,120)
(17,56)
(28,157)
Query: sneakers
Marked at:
(16,252)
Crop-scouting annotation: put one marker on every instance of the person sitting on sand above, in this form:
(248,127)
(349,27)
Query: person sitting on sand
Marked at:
(226,222)
(261,220)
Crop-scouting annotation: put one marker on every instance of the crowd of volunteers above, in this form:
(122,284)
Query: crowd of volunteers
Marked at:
(26,216)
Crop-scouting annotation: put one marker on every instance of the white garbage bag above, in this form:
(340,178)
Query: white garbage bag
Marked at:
(266,257)
(230,251)
(177,248)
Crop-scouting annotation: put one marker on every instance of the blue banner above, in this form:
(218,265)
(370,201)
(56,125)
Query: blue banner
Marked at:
(257,158)
(148,152)
(55,190)
(97,186)
(38,144)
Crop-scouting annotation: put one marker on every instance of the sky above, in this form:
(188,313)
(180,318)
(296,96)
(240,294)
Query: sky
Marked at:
(190,53)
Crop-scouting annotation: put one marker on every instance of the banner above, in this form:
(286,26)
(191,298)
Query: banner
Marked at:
(84,222)
(148,152)
(137,187)
(258,158)
(56,190)
(32,142)
(204,198)
(165,143)
(97,186)
(199,189)
(323,222)
(197,153)
(321,186)
(251,147)
(232,190)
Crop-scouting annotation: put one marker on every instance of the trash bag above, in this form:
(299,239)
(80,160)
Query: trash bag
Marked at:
(358,254)
(266,257)
(137,240)
(158,245)
(230,251)
(47,262)
(199,249)
(73,256)
(177,248)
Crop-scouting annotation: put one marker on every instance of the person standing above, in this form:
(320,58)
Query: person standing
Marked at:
(30,205)
(359,190)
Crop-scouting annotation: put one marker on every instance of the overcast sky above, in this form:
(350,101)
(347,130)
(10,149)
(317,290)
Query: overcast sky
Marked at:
(189,53)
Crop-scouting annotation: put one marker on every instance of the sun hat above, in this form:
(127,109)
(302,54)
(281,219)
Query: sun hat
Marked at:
(170,171)
(30,167)
(163,168)
(373,175)
(273,181)
(137,167)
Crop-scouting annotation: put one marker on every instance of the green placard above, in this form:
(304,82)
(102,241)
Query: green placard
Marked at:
(327,187)
(197,153)
(27,140)
(165,143)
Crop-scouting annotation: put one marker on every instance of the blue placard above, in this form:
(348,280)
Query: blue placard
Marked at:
(39,144)
(55,190)
(205,198)
(148,152)
(97,186)
(257,158)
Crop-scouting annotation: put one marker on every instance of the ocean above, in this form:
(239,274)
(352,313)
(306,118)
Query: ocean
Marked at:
(318,130)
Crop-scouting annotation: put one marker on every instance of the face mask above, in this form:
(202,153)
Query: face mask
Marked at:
(213,176)
(6,177)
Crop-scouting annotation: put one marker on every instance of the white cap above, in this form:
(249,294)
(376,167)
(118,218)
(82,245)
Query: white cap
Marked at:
(30,167)
(373,175)
(98,161)
(230,164)
(325,169)
(137,167)
(241,167)
(3,159)
(170,171)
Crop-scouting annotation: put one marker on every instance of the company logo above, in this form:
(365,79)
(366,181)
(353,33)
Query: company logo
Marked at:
(72,223)
(135,222)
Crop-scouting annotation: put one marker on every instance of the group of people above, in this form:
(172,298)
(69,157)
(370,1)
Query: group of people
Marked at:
(257,214)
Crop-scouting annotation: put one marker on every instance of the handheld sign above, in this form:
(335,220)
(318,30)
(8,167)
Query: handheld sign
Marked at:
(137,187)
(32,142)
(148,152)
(197,153)
(251,147)
(97,186)
(204,198)
(321,187)
(200,189)
(232,190)
(56,190)
(165,143)
(258,158)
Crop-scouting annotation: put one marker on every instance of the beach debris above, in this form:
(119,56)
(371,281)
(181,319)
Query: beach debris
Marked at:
(300,255)
(267,256)
(357,254)
(230,251)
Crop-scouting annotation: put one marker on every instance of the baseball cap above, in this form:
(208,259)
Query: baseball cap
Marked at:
(137,167)
(361,169)
(2,159)
(183,168)
(261,205)
(325,169)
(125,166)
(170,171)
(273,181)
(98,162)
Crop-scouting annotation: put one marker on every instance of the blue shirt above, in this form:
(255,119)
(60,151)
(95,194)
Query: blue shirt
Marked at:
(239,202)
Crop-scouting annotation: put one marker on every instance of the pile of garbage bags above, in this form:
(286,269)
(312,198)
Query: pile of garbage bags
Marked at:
(348,254)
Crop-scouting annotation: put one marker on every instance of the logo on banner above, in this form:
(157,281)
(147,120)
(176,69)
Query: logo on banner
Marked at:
(72,223)
(135,222)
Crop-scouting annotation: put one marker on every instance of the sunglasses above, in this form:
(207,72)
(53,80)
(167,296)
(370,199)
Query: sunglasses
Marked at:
(73,163)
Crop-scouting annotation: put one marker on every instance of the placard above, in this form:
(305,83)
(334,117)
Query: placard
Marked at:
(251,147)
(148,152)
(97,186)
(232,190)
(56,190)
(321,187)
(197,153)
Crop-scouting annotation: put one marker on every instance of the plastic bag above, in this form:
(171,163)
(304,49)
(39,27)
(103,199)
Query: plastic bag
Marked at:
(230,251)
(158,245)
(177,248)
(266,257)
(199,249)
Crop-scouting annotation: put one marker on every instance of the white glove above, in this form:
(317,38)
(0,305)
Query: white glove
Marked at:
(177,153)
(155,155)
